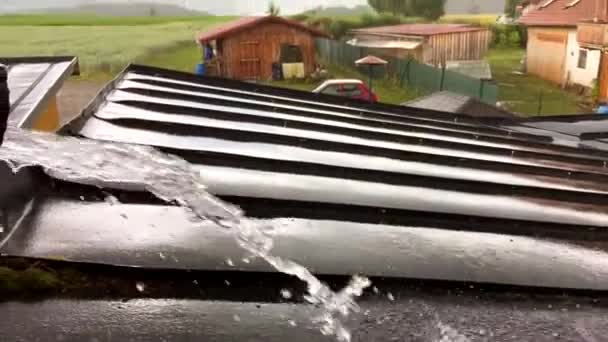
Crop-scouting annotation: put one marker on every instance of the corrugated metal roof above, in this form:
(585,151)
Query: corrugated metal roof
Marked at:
(320,168)
(476,69)
(564,13)
(245,23)
(420,29)
(589,131)
(386,44)
(456,103)
(253,132)
(32,81)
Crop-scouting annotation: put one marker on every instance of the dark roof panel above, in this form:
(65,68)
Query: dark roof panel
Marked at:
(406,184)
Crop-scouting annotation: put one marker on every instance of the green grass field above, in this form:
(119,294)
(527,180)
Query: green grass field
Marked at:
(521,93)
(103,48)
(96,20)
(474,19)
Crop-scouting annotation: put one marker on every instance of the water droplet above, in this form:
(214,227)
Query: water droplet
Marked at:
(292,323)
(246,260)
(390,297)
(123,215)
(285,293)
(578,306)
(141,287)
(482,332)
(81,198)
(195,282)
(227,282)
(229,262)
(111,200)
(236,318)
(550,306)
(162,256)
(375,289)
(175,259)
(555,334)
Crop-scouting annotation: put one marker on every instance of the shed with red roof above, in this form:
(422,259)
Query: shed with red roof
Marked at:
(554,49)
(247,49)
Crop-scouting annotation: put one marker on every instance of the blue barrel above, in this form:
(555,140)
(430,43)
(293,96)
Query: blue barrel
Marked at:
(602,109)
(200,69)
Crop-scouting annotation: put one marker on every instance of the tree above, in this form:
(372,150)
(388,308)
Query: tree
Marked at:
(511,7)
(428,9)
(396,7)
(273,9)
(152,12)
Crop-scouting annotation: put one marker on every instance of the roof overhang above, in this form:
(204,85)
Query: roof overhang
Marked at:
(386,44)
(33,82)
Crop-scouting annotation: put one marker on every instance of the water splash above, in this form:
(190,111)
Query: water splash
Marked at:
(172,179)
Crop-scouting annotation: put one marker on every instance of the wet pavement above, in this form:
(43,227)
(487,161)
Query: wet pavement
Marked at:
(405,319)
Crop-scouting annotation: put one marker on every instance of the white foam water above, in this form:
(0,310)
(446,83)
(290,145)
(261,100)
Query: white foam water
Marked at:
(172,179)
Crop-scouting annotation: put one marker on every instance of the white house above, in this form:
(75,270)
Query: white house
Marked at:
(553,51)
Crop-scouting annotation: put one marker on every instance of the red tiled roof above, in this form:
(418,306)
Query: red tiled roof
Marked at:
(250,22)
(420,29)
(565,13)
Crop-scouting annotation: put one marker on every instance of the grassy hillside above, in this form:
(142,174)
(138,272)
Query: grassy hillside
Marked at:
(98,20)
(102,48)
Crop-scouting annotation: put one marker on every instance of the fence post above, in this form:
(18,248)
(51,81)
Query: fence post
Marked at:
(442,78)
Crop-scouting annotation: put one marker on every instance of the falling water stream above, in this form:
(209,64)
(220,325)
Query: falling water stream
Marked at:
(172,179)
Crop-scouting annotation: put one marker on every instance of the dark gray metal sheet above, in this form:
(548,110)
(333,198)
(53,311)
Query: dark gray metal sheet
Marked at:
(32,82)
(165,237)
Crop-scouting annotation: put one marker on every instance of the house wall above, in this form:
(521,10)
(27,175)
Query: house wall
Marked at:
(574,74)
(546,53)
(264,44)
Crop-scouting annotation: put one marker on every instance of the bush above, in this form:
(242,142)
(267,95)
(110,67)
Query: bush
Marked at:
(300,17)
(508,36)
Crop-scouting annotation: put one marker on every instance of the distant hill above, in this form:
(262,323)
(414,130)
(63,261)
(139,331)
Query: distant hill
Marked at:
(340,10)
(484,6)
(123,9)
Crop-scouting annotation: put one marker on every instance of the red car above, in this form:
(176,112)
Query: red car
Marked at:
(353,89)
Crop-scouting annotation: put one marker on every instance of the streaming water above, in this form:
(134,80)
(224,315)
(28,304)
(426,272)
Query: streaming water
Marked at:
(172,179)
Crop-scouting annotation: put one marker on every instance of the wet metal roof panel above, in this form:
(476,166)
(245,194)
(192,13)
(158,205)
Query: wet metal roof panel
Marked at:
(312,162)
(32,82)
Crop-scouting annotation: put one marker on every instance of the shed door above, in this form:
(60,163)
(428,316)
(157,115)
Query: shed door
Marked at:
(547,55)
(250,60)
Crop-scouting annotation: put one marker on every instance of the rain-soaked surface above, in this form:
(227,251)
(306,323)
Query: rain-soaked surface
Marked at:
(171,179)
(410,317)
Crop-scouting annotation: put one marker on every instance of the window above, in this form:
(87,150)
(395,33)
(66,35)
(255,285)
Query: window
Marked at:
(350,90)
(331,90)
(582,59)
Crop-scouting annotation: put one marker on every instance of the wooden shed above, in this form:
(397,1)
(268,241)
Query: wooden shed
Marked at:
(246,49)
(427,43)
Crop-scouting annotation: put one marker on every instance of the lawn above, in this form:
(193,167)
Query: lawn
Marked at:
(387,90)
(104,49)
(522,93)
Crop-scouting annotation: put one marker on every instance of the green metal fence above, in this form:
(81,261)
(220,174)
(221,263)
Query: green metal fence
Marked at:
(410,73)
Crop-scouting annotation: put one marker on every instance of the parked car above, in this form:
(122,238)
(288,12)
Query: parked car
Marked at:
(353,89)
